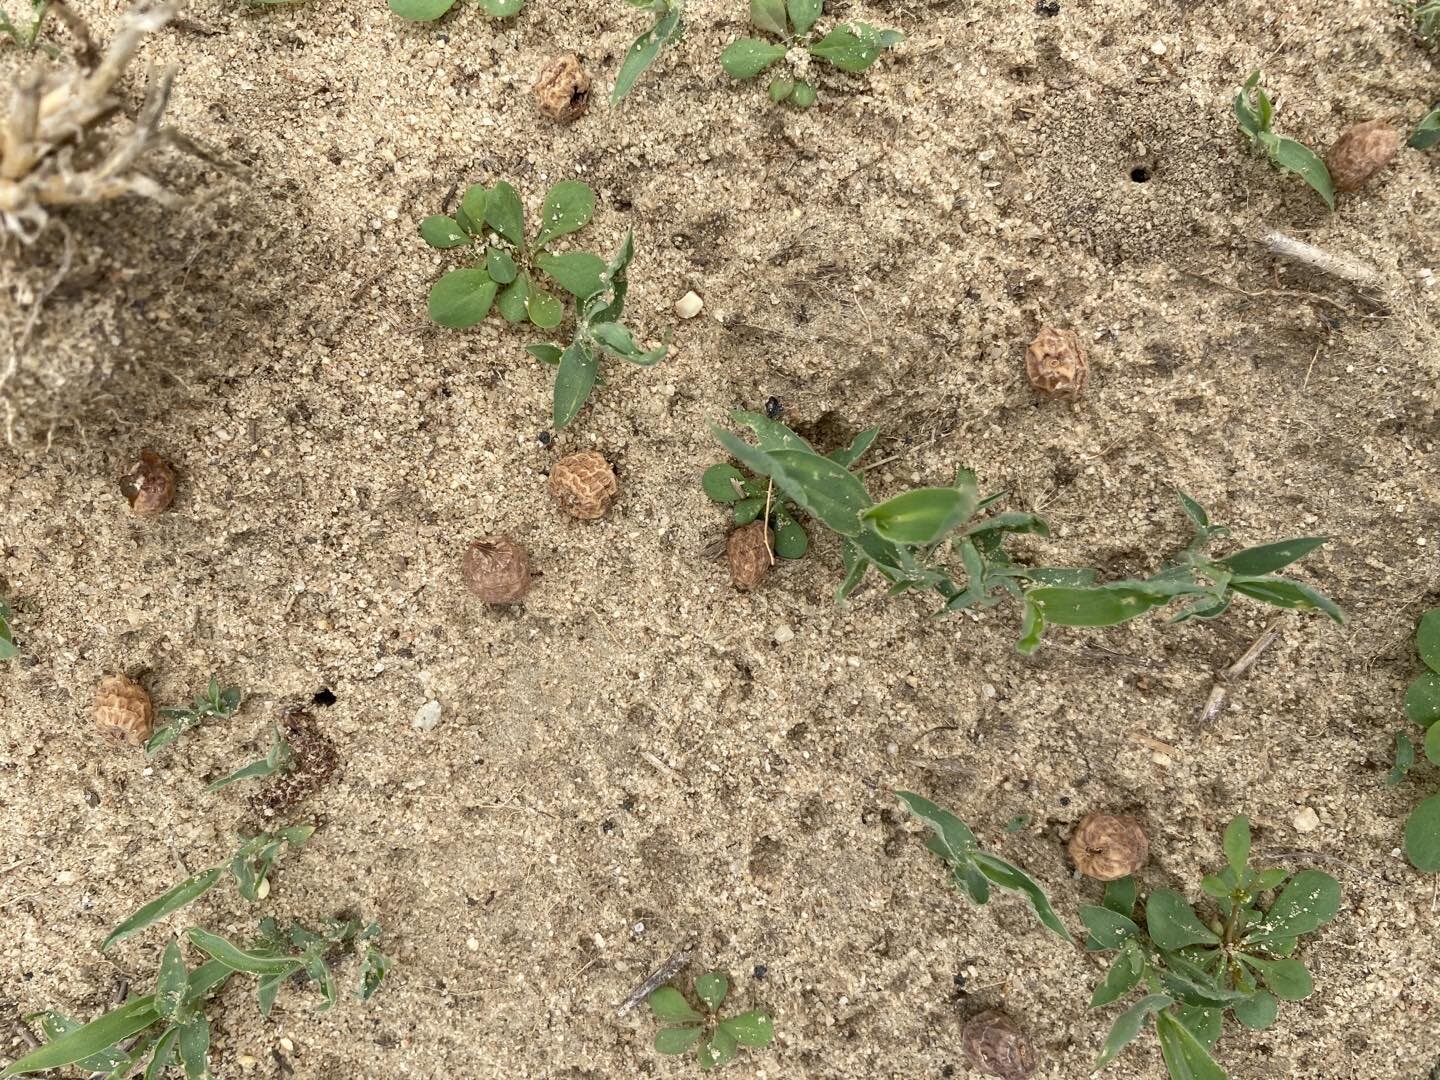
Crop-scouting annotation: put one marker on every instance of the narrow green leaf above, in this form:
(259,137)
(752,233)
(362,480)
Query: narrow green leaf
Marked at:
(676,1040)
(442,231)
(957,842)
(1287,594)
(1173,924)
(568,207)
(88,1040)
(1422,835)
(1237,843)
(1127,1025)
(921,517)
(780,88)
(1267,558)
(643,51)
(1101,606)
(856,450)
(711,988)
(754,1028)
(670,1005)
(1194,511)
(189,890)
(1009,876)
(373,972)
(748,57)
(461,298)
(194,1046)
(54,1025)
(163,1054)
(172,982)
(1121,894)
(505,213)
(573,383)
(1304,162)
(577,272)
(237,959)
(545,353)
(1185,1055)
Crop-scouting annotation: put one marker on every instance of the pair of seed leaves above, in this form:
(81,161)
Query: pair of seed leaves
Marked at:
(850,47)
(1422,706)
(755,1028)
(462,298)
(1254,112)
(430,10)
(1194,972)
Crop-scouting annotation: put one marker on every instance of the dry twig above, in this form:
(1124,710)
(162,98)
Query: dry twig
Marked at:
(1220,692)
(1287,247)
(673,965)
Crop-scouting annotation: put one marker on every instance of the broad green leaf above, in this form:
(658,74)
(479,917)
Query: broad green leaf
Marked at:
(956,842)
(1427,639)
(1267,558)
(545,310)
(921,517)
(1009,876)
(253,962)
(1287,594)
(791,542)
(1203,1023)
(1119,980)
(771,435)
(1287,979)
(854,46)
(1195,988)
(172,982)
(577,272)
(1425,136)
(1257,1012)
(568,207)
(780,88)
(189,890)
(194,1046)
(1269,879)
(421,10)
(747,510)
(1121,894)
(803,95)
(1127,1025)
(573,383)
(748,57)
(54,1025)
(803,14)
(676,1040)
(1432,744)
(505,213)
(501,9)
(1422,835)
(1422,700)
(461,298)
(643,50)
(442,231)
(513,301)
(719,482)
(754,1028)
(1237,843)
(546,354)
(852,453)
(669,1004)
(1309,902)
(616,340)
(472,207)
(500,266)
(769,15)
(1108,929)
(711,988)
(1304,162)
(1185,1055)
(1173,924)
(1101,606)
(817,485)
(722,1049)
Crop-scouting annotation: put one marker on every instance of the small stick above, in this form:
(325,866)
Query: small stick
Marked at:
(673,965)
(769,490)
(1287,247)
(1220,692)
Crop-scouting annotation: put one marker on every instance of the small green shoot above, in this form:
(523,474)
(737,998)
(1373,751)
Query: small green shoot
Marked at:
(668,27)
(851,46)
(1427,133)
(8,648)
(720,1040)
(1422,706)
(26,36)
(214,702)
(1193,969)
(250,867)
(1255,113)
(430,10)
(975,870)
(279,758)
(1426,14)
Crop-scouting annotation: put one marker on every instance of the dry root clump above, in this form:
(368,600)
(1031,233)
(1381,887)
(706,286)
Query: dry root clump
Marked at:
(150,485)
(563,89)
(995,1046)
(1056,363)
(748,550)
(1108,848)
(123,712)
(314,762)
(54,148)
(1360,153)
(584,485)
(497,570)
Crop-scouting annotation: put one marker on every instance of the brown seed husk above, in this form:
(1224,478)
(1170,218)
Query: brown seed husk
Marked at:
(563,89)
(123,711)
(497,570)
(1361,152)
(1108,848)
(584,485)
(149,486)
(995,1046)
(749,552)
(1056,363)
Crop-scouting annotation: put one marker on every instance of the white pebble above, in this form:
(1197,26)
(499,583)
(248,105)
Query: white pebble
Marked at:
(428,716)
(689,305)
(1158,48)
(1306,820)
(783,633)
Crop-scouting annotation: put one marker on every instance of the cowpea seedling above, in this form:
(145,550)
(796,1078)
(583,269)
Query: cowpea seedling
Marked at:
(1194,969)
(1422,706)
(851,46)
(169,1025)
(249,866)
(430,10)
(1255,113)
(504,270)
(668,27)
(975,870)
(278,758)
(720,1040)
(8,648)
(598,330)
(214,702)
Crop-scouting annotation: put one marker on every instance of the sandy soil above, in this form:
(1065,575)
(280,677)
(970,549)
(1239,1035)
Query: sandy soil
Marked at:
(632,759)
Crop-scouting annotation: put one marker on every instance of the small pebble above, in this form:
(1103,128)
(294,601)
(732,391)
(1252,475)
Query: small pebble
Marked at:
(783,633)
(472,944)
(1306,820)
(689,305)
(428,716)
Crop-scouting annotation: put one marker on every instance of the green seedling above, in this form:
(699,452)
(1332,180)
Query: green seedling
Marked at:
(851,46)
(175,722)
(1255,113)
(1193,969)
(1422,706)
(8,648)
(1426,14)
(250,867)
(505,267)
(169,1025)
(430,10)
(975,870)
(668,27)
(720,1040)
(1427,133)
(598,330)
(26,36)
(279,758)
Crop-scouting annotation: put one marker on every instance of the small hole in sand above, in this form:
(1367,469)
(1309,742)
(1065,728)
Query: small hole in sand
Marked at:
(1140,174)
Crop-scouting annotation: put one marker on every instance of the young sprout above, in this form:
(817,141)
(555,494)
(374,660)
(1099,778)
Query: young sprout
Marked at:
(668,27)
(1255,113)
(720,1040)
(175,722)
(1422,706)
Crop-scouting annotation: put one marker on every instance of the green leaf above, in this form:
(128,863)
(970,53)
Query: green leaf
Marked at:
(269,989)
(643,50)
(1284,593)
(1309,902)
(1203,1023)
(719,482)
(1122,977)
(921,517)
(472,208)
(1185,1055)
(1009,876)
(99,1036)
(711,988)
(577,272)
(804,95)
(1121,894)
(780,88)
(1257,1012)
(754,1028)
(670,1005)
(803,14)
(513,301)
(573,383)
(1422,700)
(1173,924)
(1194,987)
(1425,136)
(194,1046)
(125,1064)
(852,453)
(1287,979)
(568,207)
(791,541)
(442,231)
(172,982)
(617,341)
(372,972)
(1422,835)
(748,57)
(956,842)
(1427,639)
(1194,511)
(192,888)
(163,1055)
(769,15)
(54,1025)
(421,10)
(819,486)
(505,213)
(1101,606)
(1432,744)
(676,1040)
(501,9)
(747,510)
(254,962)
(544,310)
(1108,929)
(461,298)
(500,266)
(546,354)
(1237,844)
(1267,558)
(720,1050)
(1291,156)
(854,46)
(1127,1025)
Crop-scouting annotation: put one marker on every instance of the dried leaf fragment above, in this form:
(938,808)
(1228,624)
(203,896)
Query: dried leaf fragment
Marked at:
(149,486)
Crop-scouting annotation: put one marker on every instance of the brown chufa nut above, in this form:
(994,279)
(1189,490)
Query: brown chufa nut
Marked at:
(123,711)
(497,570)
(1108,848)
(995,1046)
(1056,363)
(584,485)
(748,550)
(1361,152)
(563,89)
(150,485)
